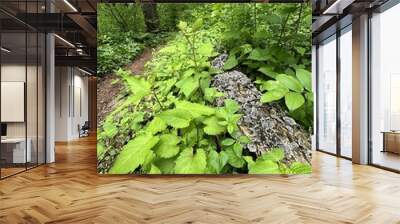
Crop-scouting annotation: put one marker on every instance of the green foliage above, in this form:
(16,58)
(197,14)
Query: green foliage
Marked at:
(296,91)
(167,122)
(270,163)
(112,53)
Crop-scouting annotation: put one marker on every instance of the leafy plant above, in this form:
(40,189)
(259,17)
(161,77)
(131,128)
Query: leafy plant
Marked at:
(166,122)
(296,92)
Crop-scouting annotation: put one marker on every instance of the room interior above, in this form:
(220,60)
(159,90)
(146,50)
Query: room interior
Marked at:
(33,89)
(362,40)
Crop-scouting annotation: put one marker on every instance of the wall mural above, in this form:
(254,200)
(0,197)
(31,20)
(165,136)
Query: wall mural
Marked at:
(204,88)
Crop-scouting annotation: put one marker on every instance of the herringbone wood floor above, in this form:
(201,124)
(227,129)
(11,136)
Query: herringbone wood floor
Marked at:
(70,191)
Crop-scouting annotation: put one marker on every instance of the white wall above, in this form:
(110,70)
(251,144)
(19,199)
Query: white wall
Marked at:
(71,102)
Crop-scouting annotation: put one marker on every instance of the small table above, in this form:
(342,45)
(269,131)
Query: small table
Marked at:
(18,151)
(391,141)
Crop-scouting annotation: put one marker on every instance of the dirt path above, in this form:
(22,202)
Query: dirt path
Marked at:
(108,90)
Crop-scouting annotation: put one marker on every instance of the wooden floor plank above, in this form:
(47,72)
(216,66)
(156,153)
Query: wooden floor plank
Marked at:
(70,191)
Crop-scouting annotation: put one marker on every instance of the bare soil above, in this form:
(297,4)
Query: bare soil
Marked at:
(108,90)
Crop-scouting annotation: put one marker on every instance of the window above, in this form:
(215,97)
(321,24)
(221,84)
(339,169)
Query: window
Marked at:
(346,92)
(327,95)
(385,89)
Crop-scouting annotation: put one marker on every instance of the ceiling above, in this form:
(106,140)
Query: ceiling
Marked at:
(74,22)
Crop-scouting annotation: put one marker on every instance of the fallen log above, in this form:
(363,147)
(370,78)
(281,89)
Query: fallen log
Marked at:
(267,125)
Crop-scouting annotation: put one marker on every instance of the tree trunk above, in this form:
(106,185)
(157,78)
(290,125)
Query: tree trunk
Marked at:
(151,17)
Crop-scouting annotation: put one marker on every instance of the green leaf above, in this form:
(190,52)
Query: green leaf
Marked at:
(156,125)
(305,78)
(217,161)
(244,139)
(231,62)
(273,95)
(268,71)
(300,168)
(211,93)
(259,54)
(109,128)
(290,82)
(310,96)
(197,24)
(263,167)
(206,49)
(182,25)
(177,118)
(191,163)
(188,85)
(195,109)
(166,166)
(212,127)
(238,149)
(234,160)
(134,154)
(231,106)
(139,87)
(249,160)
(167,147)
(273,85)
(294,100)
(275,155)
(154,170)
(228,142)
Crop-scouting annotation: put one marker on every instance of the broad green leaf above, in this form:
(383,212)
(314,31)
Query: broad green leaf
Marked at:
(211,93)
(234,160)
(217,161)
(231,106)
(167,147)
(228,142)
(304,77)
(191,135)
(191,163)
(310,96)
(231,62)
(212,127)
(275,155)
(300,168)
(264,167)
(272,85)
(206,49)
(273,95)
(139,87)
(109,128)
(176,118)
(156,125)
(244,139)
(166,166)
(197,24)
(154,170)
(246,48)
(134,154)
(195,109)
(290,82)
(268,71)
(294,100)
(249,160)
(188,85)
(259,54)
(238,149)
